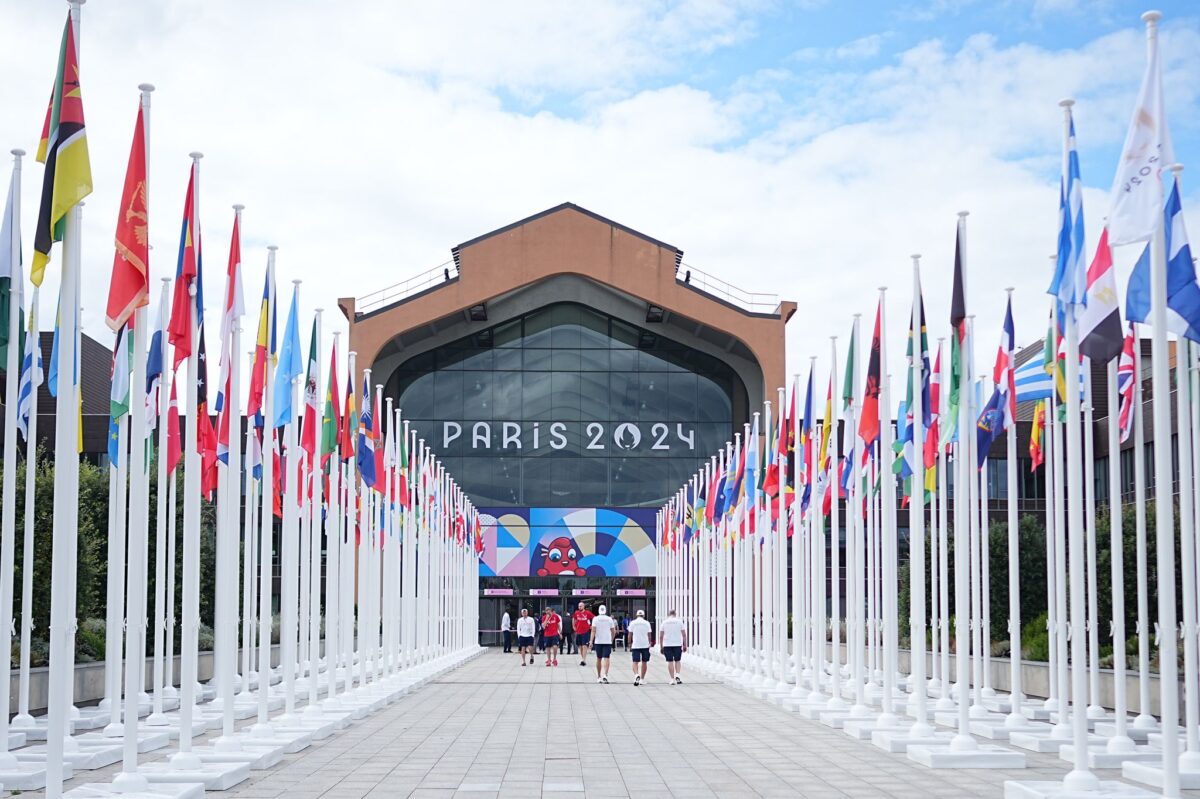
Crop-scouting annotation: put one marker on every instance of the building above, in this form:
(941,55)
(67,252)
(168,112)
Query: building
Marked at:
(571,373)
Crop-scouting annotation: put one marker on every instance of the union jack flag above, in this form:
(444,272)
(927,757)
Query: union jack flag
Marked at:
(1126,380)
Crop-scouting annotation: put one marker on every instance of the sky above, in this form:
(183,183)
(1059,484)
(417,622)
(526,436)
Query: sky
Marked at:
(805,149)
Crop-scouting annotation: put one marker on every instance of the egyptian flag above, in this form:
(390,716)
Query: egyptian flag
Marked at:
(1100,320)
(868,424)
(130,285)
(63,149)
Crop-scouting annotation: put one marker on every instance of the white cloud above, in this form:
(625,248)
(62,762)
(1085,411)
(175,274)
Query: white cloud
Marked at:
(366,146)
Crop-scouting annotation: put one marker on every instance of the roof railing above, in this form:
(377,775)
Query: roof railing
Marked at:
(755,302)
(431,278)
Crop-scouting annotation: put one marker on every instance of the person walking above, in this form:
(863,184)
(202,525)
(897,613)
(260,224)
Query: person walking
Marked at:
(551,632)
(506,630)
(601,641)
(541,635)
(581,624)
(640,638)
(526,629)
(672,643)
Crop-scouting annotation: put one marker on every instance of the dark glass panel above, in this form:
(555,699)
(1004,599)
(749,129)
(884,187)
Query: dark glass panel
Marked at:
(477,395)
(565,396)
(447,395)
(536,388)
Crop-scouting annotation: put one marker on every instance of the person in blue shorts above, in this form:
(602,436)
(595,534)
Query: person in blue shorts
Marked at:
(640,638)
(672,643)
(603,627)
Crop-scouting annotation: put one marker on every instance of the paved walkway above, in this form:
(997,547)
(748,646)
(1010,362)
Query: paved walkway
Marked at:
(495,729)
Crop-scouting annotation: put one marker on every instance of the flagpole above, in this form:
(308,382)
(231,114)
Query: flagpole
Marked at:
(854,510)
(945,701)
(289,544)
(888,506)
(1092,622)
(114,616)
(976,546)
(836,702)
(11,377)
(23,718)
(916,518)
(314,547)
(248,547)
(333,541)
(1145,720)
(1016,716)
(227,533)
(263,728)
(1120,741)
(1189,761)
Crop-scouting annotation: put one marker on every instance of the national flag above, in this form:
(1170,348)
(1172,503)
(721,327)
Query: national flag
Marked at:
(254,456)
(379,482)
(868,424)
(234,309)
(264,348)
(1100,322)
(1126,383)
(174,439)
(366,441)
(206,436)
(349,423)
(118,397)
(155,359)
(958,338)
(828,430)
(989,425)
(31,378)
(1183,292)
(1036,436)
(1138,190)
(12,281)
(1003,374)
(130,285)
(52,375)
(290,366)
(711,511)
(308,429)
(1070,279)
(806,446)
(186,310)
(329,425)
(1033,382)
(935,418)
(63,149)
(402,488)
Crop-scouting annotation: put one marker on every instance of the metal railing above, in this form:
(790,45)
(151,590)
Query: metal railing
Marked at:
(431,278)
(755,302)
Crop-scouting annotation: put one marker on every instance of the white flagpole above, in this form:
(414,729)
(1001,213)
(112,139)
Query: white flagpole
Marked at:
(835,541)
(888,506)
(289,544)
(856,640)
(1120,740)
(333,542)
(314,546)
(262,728)
(974,522)
(1016,717)
(23,717)
(945,701)
(11,378)
(139,498)
(115,564)
(1092,621)
(162,506)
(248,547)
(1144,720)
(916,519)
(1189,761)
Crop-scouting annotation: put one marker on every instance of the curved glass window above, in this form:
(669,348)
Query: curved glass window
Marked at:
(566,406)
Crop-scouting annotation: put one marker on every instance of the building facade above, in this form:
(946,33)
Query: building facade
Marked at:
(571,373)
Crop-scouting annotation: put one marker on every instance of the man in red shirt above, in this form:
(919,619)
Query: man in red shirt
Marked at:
(581,623)
(552,630)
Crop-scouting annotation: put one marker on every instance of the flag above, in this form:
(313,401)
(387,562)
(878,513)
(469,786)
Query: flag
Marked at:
(1036,436)
(1033,382)
(329,426)
(174,440)
(118,398)
(31,378)
(806,447)
(187,270)
(958,323)
(1137,191)
(1126,382)
(402,488)
(206,436)
(821,466)
(308,430)
(130,285)
(868,424)
(155,359)
(366,442)
(935,418)
(1070,278)
(349,423)
(234,309)
(380,483)
(1183,292)
(714,490)
(264,347)
(1003,374)
(990,424)
(12,281)
(52,376)
(254,457)
(290,366)
(63,149)
(1100,322)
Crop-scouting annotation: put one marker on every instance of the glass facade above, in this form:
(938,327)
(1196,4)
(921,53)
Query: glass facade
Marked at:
(565,406)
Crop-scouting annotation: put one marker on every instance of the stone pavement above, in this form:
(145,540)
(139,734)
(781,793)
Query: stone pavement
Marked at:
(495,729)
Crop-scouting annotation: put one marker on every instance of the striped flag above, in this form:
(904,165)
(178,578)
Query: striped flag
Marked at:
(264,347)
(63,149)
(1003,374)
(1183,292)
(1100,322)
(366,441)
(174,439)
(329,426)
(154,367)
(234,309)
(1126,382)
(187,271)
(1036,455)
(308,430)
(31,378)
(1070,278)
(12,282)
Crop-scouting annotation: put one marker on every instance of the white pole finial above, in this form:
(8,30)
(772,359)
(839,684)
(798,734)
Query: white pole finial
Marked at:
(239,207)
(18,152)
(145,88)
(195,155)
(297,281)
(1176,168)
(1151,18)
(964,214)
(272,247)
(1009,290)
(1066,102)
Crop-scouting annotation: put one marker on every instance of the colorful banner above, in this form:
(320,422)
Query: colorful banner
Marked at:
(571,542)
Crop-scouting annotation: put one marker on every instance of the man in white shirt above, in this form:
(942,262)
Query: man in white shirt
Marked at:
(526,630)
(672,643)
(640,637)
(506,631)
(603,627)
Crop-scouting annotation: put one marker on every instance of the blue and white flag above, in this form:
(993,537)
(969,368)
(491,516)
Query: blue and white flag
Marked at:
(290,365)
(31,378)
(1070,272)
(1183,292)
(1033,382)
(155,359)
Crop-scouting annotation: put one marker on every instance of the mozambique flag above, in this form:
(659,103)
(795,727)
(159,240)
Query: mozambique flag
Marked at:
(329,426)
(63,149)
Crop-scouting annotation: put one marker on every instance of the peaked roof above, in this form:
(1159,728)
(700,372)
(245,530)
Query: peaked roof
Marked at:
(454,251)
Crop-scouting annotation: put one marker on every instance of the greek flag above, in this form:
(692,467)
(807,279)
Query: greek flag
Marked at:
(1183,292)
(31,378)
(1070,272)
(1035,383)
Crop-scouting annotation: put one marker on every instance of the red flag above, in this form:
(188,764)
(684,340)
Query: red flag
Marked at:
(935,398)
(206,436)
(174,440)
(380,473)
(130,285)
(180,328)
(868,425)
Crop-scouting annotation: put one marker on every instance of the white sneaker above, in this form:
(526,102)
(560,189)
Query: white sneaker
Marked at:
(599,680)
(678,680)
(605,680)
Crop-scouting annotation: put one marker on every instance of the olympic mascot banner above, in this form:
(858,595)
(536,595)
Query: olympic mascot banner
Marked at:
(569,542)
